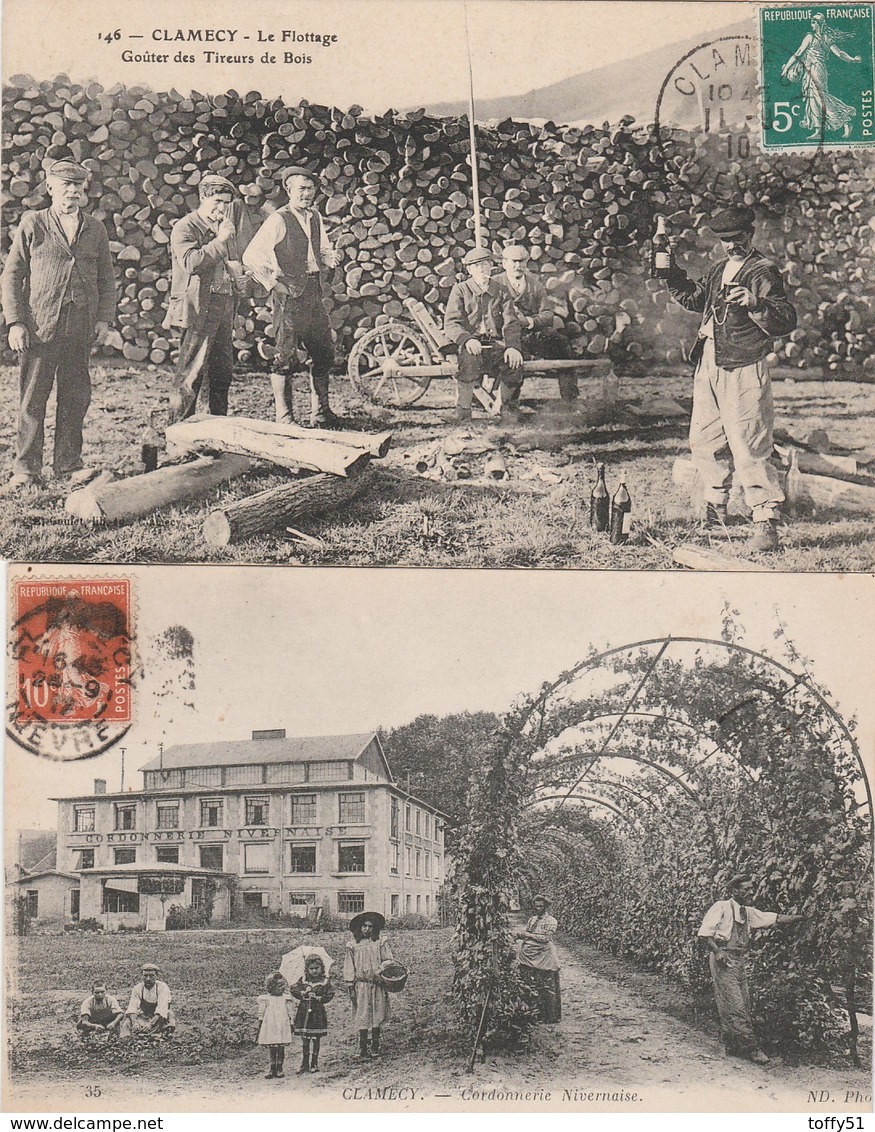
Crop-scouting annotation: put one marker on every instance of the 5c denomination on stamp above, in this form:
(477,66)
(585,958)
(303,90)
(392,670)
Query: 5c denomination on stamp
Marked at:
(70,665)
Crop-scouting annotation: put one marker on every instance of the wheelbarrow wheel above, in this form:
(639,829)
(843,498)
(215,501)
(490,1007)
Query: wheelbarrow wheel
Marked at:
(400,345)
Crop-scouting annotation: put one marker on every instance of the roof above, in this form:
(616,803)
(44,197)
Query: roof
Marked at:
(155,867)
(301,749)
(28,878)
(36,849)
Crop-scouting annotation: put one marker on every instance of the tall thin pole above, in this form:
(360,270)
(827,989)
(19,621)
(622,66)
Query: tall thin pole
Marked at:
(475,174)
(122,786)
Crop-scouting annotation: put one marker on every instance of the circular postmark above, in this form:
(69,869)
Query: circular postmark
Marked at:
(710,122)
(70,665)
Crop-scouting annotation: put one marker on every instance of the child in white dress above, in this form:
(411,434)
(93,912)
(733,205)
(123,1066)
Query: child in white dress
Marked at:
(275,1030)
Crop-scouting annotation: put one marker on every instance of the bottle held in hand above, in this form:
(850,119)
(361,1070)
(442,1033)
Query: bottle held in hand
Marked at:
(600,503)
(660,251)
(621,517)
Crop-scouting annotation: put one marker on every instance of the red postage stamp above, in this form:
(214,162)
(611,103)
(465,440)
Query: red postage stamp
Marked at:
(71,664)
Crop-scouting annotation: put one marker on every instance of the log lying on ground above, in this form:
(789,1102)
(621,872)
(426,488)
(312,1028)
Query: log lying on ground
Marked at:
(236,434)
(140,495)
(704,558)
(820,463)
(280,506)
(827,491)
(375,443)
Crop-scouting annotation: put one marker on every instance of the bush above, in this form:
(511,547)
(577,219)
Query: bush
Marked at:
(412,922)
(89,925)
(184,917)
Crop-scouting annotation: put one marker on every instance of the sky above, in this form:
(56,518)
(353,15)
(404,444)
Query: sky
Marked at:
(388,53)
(322,651)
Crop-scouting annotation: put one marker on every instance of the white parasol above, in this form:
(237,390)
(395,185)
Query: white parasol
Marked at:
(292,966)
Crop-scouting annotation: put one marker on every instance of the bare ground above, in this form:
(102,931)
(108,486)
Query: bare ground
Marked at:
(627,1041)
(410,521)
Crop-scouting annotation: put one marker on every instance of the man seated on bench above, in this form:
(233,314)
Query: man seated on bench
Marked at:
(535,311)
(482,322)
(100,1013)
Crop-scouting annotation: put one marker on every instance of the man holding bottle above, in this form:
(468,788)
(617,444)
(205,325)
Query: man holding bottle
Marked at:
(744,308)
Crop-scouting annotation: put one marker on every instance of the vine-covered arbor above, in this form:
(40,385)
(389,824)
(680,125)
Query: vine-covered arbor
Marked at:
(633,786)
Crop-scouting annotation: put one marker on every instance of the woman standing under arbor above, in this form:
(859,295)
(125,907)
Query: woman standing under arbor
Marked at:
(539,963)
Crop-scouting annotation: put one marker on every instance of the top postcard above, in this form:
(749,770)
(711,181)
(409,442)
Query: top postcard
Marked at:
(496,284)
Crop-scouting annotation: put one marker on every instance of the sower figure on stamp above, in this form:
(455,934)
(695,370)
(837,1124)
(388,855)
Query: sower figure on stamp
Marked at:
(149,1012)
(535,311)
(482,321)
(100,1013)
(288,256)
(206,278)
(744,308)
(59,297)
(726,930)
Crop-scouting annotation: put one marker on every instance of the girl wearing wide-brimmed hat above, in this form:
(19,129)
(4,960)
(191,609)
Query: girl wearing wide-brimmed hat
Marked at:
(365,955)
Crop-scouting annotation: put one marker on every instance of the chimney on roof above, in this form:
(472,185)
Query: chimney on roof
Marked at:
(100,786)
(273,733)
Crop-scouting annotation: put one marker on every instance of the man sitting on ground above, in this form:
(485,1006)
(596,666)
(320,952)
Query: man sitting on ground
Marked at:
(149,1011)
(100,1013)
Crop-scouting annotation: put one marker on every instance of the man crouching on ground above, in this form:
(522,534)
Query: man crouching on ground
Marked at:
(744,308)
(483,323)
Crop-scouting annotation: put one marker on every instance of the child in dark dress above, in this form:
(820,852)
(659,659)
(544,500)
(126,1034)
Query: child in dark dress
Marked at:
(311,1021)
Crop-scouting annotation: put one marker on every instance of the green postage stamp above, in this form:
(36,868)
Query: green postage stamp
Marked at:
(817,76)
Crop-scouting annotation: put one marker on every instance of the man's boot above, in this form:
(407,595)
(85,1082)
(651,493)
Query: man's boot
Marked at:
(364,1045)
(305,1058)
(716,517)
(510,402)
(281,384)
(321,415)
(765,536)
(375,1042)
(464,400)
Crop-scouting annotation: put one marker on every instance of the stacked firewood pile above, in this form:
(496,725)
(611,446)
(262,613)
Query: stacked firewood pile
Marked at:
(398,202)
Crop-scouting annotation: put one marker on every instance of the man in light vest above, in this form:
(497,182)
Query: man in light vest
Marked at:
(288,256)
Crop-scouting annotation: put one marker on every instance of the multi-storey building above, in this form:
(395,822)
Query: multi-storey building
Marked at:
(273,823)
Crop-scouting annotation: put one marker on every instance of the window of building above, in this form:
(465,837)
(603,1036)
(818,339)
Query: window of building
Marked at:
(428,905)
(418,863)
(351,857)
(116,901)
(85,859)
(407,860)
(408,903)
(303,809)
(247,775)
(419,905)
(167,854)
(203,776)
(256,811)
(427,863)
(74,904)
(395,904)
(394,819)
(256,859)
(303,859)
(168,815)
(285,772)
(407,818)
(330,772)
(438,831)
(32,899)
(212,856)
(349,903)
(171,780)
(302,899)
(395,860)
(255,902)
(352,809)
(125,816)
(83,819)
(418,820)
(199,892)
(125,856)
(211,813)
(428,825)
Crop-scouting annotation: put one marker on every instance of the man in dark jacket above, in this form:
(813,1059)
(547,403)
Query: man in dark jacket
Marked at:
(59,297)
(535,311)
(744,308)
(483,323)
(206,276)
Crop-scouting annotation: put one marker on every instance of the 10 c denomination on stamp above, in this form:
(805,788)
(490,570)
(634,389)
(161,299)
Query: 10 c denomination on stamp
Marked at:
(70,665)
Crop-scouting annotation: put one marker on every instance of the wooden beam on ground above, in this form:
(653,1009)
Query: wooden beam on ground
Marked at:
(236,434)
(704,558)
(827,491)
(122,500)
(375,443)
(281,506)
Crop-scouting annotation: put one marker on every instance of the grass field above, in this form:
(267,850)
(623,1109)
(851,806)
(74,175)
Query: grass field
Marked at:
(405,520)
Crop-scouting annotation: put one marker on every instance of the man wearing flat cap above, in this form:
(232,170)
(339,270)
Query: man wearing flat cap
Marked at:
(288,257)
(206,279)
(535,312)
(539,961)
(726,930)
(149,1011)
(744,308)
(482,322)
(59,297)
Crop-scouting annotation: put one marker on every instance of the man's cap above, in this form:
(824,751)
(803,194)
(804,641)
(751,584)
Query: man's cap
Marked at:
(477,255)
(68,171)
(213,184)
(150,967)
(542,897)
(728,221)
(298,171)
(515,251)
(738,880)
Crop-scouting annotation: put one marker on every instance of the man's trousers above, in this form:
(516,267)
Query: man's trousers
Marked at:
(304,321)
(548,344)
(731,429)
(206,357)
(64,360)
(489,361)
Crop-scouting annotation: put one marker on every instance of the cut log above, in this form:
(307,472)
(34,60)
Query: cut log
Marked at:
(375,443)
(232,434)
(280,506)
(827,491)
(704,558)
(140,495)
(820,463)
